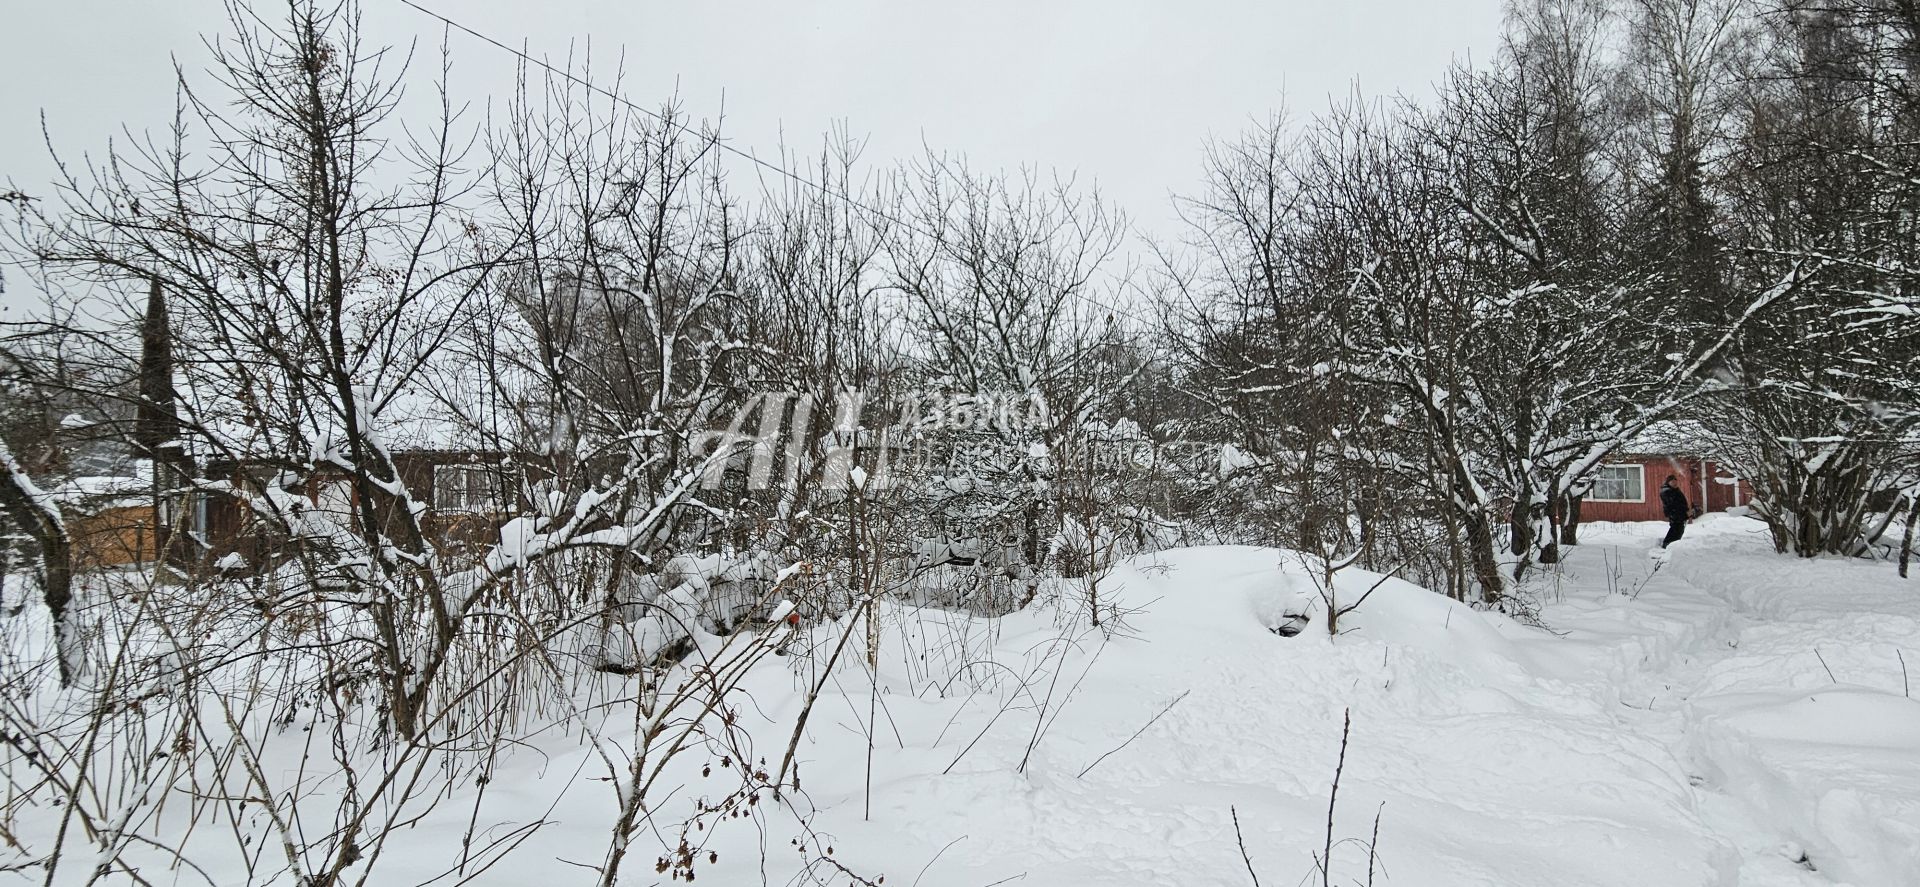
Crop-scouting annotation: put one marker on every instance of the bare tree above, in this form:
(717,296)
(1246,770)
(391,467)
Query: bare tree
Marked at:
(1012,295)
(1823,422)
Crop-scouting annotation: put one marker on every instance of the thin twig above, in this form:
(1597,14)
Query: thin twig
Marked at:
(1823,664)
(1333,797)
(1373,843)
(1136,735)
(936,858)
(1238,839)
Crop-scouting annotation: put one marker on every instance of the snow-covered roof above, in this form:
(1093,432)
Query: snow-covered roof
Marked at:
(1673,437)
(107,491)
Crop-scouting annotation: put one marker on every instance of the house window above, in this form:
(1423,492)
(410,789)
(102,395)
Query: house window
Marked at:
(1619,483)
(472,488)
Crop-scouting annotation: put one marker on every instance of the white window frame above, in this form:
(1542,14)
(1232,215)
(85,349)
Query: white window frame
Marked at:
(494,489)
(1639,482)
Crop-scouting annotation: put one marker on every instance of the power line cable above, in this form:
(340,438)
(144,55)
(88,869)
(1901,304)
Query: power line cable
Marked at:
(876,212)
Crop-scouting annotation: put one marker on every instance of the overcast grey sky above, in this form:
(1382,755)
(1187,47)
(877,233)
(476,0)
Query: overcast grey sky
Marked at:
(1123,93)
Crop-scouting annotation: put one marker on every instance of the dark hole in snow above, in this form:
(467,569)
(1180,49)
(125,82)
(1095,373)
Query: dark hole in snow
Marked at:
(1795,853)
(1290,625)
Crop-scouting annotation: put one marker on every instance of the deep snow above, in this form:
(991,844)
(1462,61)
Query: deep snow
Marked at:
(1715,715)
(1675,726)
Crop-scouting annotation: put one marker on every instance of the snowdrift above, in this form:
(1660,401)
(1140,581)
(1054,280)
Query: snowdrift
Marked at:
(1719,716)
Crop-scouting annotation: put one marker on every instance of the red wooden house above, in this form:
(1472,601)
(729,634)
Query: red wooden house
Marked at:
(1627,486)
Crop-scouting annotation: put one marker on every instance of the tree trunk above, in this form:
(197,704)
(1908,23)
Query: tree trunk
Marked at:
(1906,538)
(1521,521)
(1570,524)
(1030,518)
(35,514)
(1486,567)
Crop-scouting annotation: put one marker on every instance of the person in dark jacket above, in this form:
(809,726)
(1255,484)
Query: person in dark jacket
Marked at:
(1673,504)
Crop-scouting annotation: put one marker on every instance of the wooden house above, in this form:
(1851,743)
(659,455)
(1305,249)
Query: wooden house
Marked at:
(468,493)
(110,519)
(1627,486)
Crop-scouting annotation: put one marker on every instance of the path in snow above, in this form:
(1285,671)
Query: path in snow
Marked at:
(1778,683)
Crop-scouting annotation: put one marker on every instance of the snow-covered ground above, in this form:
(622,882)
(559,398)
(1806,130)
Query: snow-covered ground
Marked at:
(1676,726)
(1783,687)
(1714,715)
